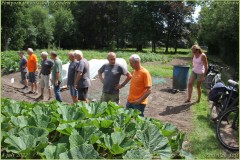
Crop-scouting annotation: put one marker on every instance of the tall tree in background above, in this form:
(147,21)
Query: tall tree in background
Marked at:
(63,23)
(219,30)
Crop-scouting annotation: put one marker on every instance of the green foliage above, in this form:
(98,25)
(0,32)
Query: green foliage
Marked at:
(219,30)
(96,24)
(83,131)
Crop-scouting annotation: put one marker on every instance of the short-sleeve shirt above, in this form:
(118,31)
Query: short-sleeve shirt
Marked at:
(22,63)
(46,66)
(140,80)
(72,73)
(57,67)
(112,75)
(83,67)
(31,64)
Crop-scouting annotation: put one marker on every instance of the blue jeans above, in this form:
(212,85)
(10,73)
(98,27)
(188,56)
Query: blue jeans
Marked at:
(73,92)
(140,107)
(57,92)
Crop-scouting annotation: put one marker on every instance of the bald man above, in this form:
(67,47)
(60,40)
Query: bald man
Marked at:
(72,69)
(112,74)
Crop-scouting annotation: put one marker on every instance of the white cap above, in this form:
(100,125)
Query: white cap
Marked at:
(78,52)
(44,53)
(135,57)
(30,50)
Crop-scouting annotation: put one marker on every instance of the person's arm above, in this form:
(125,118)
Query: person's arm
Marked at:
(57,73)
(80,69)
(100,72)
(205,63)
(100,76)
(146,93)
(128,78)
(79,76)
(36,63)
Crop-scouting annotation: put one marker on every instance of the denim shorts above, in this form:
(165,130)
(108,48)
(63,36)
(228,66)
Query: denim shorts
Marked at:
(140,107)
(73,92)
(33,77)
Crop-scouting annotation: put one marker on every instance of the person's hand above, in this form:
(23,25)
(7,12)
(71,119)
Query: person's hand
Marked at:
(203,78)
(118,86)
(75,87)
(56,83)
(137,102)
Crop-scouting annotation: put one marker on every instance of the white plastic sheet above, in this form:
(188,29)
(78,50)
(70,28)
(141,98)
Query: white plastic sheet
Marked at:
(94,66)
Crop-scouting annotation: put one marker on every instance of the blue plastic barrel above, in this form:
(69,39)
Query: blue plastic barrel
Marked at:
(180,76)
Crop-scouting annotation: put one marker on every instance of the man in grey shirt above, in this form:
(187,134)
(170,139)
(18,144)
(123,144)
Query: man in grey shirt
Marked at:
(23,69)
(82,82)
(112,74)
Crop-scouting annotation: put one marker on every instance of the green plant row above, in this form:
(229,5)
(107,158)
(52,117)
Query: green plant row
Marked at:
(10,59)
(84,131)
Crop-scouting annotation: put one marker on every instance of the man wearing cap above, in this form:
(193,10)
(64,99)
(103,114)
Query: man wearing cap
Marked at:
(32,65)
(112,74)
(44,75)
(82,82)
(23,69)
(72,76)
(56,75)
(140,85)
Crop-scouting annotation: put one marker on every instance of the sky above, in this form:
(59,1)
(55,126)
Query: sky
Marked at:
(196,13)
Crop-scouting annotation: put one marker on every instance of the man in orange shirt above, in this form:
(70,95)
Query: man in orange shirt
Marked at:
(32,66)
(140,85)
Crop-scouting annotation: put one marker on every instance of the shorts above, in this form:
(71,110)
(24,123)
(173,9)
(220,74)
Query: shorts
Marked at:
(110,97)
(197,76)
(73,91)
(23,76)
(140,107)
(45,81)
(33,77)
(82,94)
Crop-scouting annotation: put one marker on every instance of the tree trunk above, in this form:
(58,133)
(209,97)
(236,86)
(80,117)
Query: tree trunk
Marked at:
(5,40)
(59,43)
(167,42)
(139,48)
(153,46)
(175,47)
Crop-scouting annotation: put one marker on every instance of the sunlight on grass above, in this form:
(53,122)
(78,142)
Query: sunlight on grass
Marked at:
(203,141)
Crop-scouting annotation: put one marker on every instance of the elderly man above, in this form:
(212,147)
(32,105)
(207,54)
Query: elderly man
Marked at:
(140,86)
(82,82)
(112,74)
(72,76)
(56,75)
(23,69)
(32,66)
(44,75)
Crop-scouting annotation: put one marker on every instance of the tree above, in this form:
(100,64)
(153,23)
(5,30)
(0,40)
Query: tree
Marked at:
(63,24)
(219,30)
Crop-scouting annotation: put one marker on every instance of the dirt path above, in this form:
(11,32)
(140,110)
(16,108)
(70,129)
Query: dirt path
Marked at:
(163,104)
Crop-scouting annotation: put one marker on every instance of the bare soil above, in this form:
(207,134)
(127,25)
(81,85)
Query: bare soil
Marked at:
(163,103)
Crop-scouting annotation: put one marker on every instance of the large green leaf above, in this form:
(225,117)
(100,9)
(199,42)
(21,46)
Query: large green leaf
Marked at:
(84,151)
(53,151)
(90,134)
(169,130)
(41,120)
(70,113)
(138,153)
(152,139)
(10,107)
(20,121)
(117,143)
(94,110)
(66,128)
(75,140)
(121,121)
